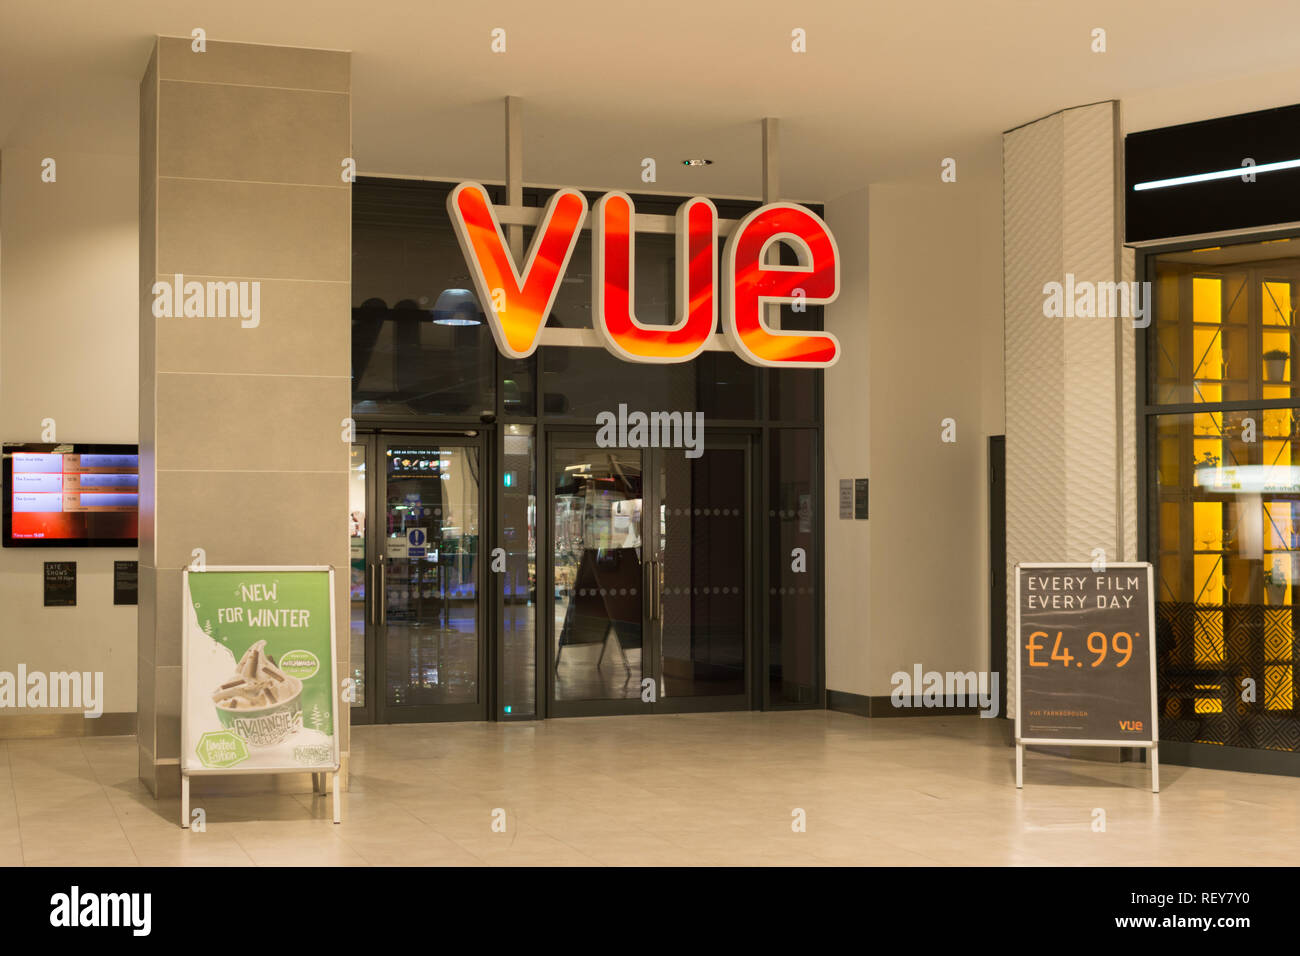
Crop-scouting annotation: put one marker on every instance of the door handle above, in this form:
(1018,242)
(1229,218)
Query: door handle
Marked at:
(383,593)
(659,590)
(649,589)
(370,586)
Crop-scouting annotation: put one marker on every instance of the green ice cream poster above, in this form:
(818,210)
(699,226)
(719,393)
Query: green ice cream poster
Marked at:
(259,670)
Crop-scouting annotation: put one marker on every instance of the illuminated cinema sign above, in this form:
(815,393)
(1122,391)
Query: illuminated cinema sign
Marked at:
(518,303)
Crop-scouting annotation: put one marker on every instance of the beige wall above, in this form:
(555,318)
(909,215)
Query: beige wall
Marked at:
(919,319)
(68,253)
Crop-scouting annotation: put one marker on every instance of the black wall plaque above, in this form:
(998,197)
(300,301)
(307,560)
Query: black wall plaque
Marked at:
(126,582)
(860,498)
(60,583)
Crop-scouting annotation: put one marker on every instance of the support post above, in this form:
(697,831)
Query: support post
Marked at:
(771,158)
(185,801)
(1020,765)
(771,193)
(514,174)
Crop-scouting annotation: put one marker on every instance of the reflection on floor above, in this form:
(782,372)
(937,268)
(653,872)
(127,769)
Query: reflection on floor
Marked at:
(691,790)
(429,665)
(583,674)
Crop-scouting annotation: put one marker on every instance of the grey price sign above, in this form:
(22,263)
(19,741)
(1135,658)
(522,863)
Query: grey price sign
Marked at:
(1085,662)
(846,497)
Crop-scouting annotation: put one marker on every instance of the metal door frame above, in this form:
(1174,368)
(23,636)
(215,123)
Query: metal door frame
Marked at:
(376,631)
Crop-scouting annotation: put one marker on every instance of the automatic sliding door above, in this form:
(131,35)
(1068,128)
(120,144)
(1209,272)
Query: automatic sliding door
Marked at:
(598,569)
(703,549)
(650,564)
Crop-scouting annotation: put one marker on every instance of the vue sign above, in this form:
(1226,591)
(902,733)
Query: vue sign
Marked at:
(518,303)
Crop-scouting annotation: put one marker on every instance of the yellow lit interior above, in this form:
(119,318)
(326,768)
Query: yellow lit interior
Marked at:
(1207,339)
(1226,556)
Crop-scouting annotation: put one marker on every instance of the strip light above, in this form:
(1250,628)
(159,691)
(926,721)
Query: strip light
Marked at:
(1222,174)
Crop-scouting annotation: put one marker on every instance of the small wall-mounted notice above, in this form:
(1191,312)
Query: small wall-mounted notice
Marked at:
(60,583)
(126,582)
(853,498)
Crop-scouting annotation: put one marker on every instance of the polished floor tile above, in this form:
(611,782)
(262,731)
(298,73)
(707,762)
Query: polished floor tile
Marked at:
(808,788)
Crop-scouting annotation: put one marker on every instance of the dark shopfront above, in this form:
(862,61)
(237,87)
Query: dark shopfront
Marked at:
(1219,411)
(504,564)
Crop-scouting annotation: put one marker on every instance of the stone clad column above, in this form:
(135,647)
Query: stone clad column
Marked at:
(241,419)
(1069,381)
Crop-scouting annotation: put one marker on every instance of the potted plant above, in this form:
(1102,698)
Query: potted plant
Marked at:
(1276,585)
(1275,365)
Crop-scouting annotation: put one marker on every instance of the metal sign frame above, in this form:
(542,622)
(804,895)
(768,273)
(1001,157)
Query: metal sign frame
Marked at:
(319,785)
(1152,745)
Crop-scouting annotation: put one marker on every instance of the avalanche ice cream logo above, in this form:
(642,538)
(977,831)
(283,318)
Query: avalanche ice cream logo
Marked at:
(518,303)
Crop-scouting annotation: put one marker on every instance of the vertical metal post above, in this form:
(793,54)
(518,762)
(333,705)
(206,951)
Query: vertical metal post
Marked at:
(771,192)
(1020,765)
(514,175)
(185,801)
(771,158)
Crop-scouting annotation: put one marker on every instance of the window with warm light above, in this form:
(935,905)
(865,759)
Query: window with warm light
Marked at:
(1222,417)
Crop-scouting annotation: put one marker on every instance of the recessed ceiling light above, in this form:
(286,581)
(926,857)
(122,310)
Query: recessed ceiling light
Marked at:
(697,162)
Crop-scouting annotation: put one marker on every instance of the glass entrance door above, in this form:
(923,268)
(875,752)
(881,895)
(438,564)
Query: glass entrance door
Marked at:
(600,570)
(650,564)
(702,597)
(419,600)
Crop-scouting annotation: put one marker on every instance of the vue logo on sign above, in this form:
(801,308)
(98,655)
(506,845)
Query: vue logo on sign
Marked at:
(518,303)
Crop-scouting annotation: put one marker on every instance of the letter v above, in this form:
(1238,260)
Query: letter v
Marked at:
(517,306)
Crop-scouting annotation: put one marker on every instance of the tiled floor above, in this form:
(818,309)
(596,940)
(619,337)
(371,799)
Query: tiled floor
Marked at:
(690,790)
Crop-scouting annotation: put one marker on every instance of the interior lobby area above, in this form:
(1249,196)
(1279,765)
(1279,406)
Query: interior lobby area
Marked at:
(727,436)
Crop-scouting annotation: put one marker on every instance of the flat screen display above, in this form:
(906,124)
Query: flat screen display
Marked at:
(71,495)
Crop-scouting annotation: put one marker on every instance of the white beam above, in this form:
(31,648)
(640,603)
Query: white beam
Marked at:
(588,339)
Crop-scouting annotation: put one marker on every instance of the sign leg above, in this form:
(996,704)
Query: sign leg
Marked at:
(1155,768)
(338,804)
(185,802)
(1020,766)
